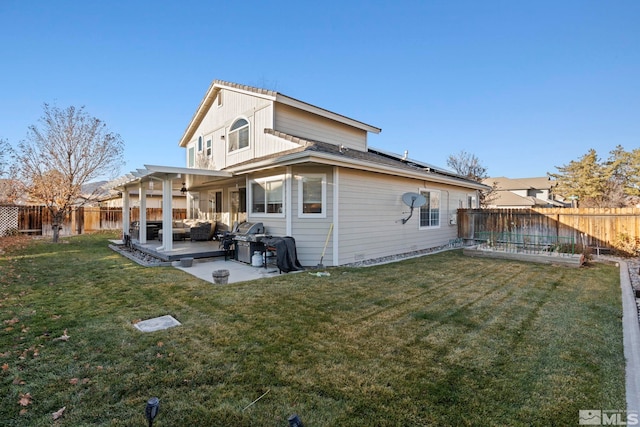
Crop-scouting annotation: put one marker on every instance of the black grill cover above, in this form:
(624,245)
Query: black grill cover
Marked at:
(286,255)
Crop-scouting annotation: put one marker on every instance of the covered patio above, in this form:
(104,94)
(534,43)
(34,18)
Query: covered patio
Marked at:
(204,263)
(187,181)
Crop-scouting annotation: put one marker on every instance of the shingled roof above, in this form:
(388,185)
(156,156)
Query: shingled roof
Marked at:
(372,156)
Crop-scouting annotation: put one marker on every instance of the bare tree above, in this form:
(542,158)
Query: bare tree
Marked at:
(204,161)
(10,188)
(68,149)
(5,152)
(469,166)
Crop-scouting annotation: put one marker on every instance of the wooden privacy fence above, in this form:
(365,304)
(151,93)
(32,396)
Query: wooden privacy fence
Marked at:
(37,219)
(596,227)
(26,219)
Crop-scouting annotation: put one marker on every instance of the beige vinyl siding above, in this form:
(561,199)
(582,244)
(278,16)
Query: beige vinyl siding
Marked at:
(370,213)
(311,233)
(305,125)
(216,123)
(235,105)
(218,148)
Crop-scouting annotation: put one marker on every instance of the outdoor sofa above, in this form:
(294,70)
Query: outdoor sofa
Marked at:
(193,229)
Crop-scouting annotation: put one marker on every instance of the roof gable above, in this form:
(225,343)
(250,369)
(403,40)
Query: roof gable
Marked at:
(217,85)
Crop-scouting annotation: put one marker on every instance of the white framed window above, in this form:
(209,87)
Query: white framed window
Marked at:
(267,196)
(430,211)
(312,195)
(208,148)
(194,205)
(191,157)
(239,135)
(214,204)
(199,144)
(471,201)
(237,205)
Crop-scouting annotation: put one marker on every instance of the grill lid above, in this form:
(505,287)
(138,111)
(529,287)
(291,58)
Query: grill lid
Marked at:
(250,228)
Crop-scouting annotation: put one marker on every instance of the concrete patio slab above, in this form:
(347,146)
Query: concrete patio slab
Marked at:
(157,324)
(238,271)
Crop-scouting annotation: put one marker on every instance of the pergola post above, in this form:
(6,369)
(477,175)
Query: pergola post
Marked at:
(126,216)
(142,195)
(167,215)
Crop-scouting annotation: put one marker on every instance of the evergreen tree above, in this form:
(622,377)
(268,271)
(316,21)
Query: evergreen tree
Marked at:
(601,184)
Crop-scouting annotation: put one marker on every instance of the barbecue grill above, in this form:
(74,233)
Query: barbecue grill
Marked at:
(248,239)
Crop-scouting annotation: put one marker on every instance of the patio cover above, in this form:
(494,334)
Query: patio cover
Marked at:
(191,177)
(172,178)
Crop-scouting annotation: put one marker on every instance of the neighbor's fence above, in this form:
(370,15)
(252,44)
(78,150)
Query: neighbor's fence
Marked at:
(26,219)
(611,228)
(37,219)
(8,219)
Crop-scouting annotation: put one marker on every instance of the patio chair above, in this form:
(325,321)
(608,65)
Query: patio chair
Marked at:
(201,232)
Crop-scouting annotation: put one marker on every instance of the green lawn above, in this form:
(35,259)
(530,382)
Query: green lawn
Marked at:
(438,340)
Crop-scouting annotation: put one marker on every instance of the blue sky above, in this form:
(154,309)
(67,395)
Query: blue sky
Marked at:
(524,86)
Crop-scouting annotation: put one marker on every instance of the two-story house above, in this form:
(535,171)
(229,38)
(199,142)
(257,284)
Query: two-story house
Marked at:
(258,155)
(523,193)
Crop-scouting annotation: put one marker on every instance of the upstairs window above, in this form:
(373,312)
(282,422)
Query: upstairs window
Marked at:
(430,211)
(239,135)
(208,148)
(199,144)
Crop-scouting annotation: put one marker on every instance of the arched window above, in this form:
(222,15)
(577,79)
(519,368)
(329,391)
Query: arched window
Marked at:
(239,135)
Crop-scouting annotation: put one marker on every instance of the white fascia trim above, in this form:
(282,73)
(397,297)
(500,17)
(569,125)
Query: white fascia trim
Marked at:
(202,109)
(188,171)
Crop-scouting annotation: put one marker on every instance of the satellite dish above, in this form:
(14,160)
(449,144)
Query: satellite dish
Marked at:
(413,200)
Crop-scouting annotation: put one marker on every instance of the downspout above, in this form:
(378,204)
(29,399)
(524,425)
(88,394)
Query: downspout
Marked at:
(288,182)
(448,207)
(336,217)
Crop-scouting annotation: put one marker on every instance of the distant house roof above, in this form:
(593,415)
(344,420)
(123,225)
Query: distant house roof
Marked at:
(218,85)
(504,183)
(506,192)
(509,199)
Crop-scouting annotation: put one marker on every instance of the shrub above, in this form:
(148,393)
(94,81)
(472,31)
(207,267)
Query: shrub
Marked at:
(627,246)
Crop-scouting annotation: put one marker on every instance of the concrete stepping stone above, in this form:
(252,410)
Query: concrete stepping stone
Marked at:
(157,324)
